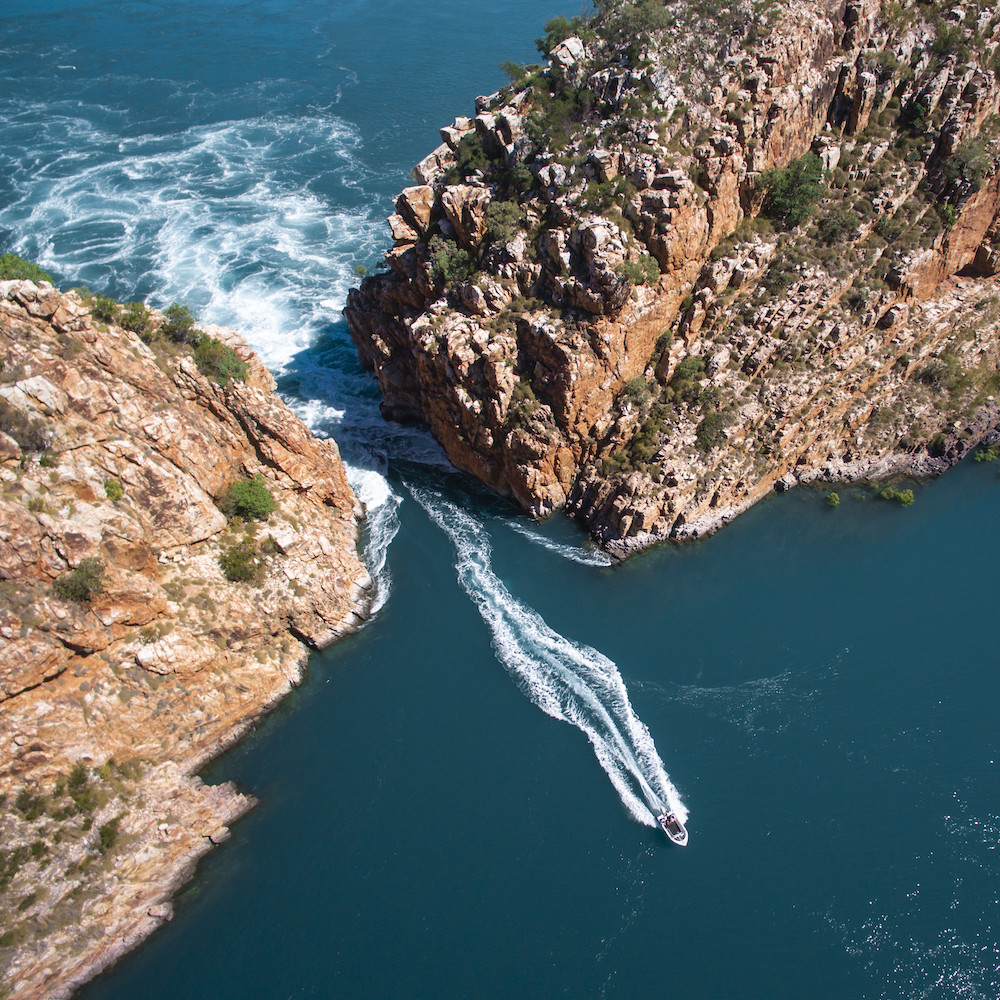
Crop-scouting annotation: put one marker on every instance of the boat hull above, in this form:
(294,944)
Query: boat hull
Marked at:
(674,829)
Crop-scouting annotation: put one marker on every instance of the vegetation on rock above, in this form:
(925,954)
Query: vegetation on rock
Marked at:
(14,268)
(29,432)
(82,584)
(903,497)
(244,561)
(178,324)
(248,499)
(219,362)
(792,192)
(688,288)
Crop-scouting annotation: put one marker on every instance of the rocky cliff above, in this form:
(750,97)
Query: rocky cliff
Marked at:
(127,657)
(704,252)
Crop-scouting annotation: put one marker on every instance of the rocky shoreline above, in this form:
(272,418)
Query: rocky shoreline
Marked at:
(116,451)
(699,256)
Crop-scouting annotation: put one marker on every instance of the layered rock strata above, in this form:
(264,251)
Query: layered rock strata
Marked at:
(588,309)
(114,454)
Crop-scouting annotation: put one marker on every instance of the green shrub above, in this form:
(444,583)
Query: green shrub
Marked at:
(82,584)
(838,225)
(81,791)
(28,432)
(30,806)
(643,271)
(249,499)
(107,834)
(14,268)
(113,489)
(521,179)
(219,362)
(792,192)
(711,431)
(948,214)
(903,497)
(971,163)
(632,18)
(449,261)
(503,219)
(135,317)
(558,29)
(988,454)
(243,562)
(470,158)
(833,499)
(178,324)
(105,309)
(689,367)
(636,391)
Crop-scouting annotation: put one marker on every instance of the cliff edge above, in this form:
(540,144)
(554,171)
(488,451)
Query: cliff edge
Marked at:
(128,654)
(702,254)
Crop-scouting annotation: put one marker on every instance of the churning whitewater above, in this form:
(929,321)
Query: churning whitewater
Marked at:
(565,679)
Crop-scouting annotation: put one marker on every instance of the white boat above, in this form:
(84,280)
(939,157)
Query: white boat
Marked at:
(673,828)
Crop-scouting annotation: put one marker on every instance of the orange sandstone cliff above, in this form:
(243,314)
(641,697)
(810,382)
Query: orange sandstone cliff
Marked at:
(113,455)
(705,252)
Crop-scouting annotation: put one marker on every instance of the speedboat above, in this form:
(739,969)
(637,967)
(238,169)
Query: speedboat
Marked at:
(673,828)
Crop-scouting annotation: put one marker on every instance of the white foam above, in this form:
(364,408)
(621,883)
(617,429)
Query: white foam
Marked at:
(381,506)
(584,556)
(215,216)
(567,680)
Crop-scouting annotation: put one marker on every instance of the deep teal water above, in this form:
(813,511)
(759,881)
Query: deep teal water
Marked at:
(820,685)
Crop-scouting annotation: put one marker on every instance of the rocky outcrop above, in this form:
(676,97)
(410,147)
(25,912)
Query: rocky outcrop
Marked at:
(696,257)
(113,454)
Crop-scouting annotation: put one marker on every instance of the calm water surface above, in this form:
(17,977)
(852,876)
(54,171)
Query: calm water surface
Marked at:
(817,688)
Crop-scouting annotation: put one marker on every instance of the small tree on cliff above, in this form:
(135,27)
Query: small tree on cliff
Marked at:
(249,499)
(793,191)
(449,261)
(178,324)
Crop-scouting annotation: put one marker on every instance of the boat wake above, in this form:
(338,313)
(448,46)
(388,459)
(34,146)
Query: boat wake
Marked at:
(586,557)
(567,680)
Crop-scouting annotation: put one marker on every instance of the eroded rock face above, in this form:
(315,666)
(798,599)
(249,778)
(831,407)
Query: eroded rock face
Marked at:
(170,662)
(630,244)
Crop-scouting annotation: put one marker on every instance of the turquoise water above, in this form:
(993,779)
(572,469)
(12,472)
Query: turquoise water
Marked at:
(817,688)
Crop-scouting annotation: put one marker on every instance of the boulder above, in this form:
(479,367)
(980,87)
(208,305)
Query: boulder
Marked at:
(465,207)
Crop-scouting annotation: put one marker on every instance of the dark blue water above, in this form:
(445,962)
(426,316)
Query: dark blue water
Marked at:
(820,686)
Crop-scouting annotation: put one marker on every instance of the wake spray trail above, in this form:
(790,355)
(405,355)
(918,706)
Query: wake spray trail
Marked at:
(574,553)
(567,680)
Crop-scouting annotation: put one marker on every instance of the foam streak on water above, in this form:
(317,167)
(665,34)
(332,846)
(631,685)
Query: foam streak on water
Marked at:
(567,680)
(586,557)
